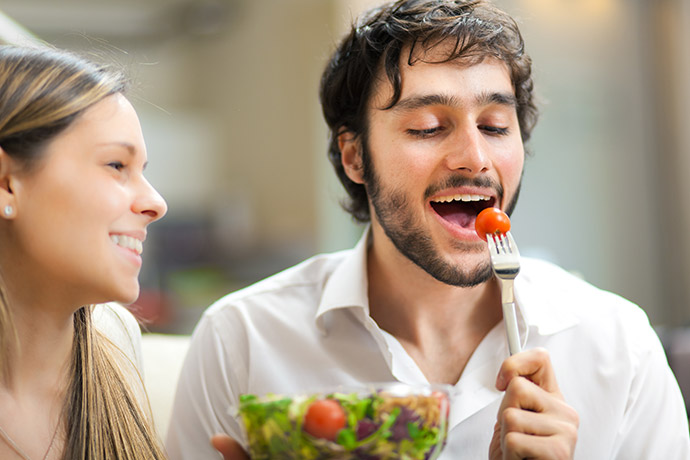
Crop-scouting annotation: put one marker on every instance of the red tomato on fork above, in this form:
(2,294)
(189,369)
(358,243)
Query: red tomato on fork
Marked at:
(491,221)
(324,419)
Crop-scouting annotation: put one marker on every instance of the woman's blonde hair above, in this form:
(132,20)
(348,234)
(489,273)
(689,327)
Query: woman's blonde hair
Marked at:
(42,91)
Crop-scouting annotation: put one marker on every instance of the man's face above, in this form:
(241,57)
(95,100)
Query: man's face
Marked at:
(449,148)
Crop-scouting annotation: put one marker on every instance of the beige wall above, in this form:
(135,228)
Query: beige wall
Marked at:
(670,56)
(235,132)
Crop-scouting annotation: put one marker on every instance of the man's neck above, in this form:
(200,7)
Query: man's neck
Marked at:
(439,325)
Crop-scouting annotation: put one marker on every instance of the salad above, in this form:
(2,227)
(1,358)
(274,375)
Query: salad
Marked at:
(374,425)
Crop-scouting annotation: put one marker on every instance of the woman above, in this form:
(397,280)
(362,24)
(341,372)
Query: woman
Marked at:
(74,207)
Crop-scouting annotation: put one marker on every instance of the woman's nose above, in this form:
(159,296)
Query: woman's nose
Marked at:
(149,202)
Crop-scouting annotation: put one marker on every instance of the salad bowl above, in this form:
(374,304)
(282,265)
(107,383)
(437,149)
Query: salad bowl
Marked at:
(371,422)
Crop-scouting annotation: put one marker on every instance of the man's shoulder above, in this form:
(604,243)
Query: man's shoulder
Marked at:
(552,280)
(306,278)
(553,289)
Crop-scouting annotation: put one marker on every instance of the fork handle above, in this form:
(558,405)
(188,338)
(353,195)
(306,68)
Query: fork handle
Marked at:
(511,327)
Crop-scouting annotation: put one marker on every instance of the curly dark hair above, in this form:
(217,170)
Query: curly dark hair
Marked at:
(375,43)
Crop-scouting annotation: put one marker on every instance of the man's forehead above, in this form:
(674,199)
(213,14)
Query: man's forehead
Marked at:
(383,89)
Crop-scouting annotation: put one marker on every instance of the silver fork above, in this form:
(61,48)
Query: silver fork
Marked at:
(505,260)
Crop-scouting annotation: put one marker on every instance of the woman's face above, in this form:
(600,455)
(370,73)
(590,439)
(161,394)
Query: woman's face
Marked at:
(81,214)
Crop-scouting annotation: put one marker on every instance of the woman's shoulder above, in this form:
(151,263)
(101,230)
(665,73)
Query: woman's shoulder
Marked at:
(117,324)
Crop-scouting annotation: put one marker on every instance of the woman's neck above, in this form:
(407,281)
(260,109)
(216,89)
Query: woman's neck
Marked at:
(39,363)
(33,391)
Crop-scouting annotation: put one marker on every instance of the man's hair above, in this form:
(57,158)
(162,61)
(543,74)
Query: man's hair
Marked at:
(477,29)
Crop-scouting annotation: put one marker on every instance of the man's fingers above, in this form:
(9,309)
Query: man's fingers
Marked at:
(495,452)
(519,446)
(524,394)
(534,365)
(534,420)
(533,423)
(228,447)
(524,397)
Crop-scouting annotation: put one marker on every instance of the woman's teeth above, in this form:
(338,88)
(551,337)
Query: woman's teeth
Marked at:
(128,242)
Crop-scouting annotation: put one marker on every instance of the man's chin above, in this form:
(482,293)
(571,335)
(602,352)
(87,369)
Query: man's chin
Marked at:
(470,248)
(454,276)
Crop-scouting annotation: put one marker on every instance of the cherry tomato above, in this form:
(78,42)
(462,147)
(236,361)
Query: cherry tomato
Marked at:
(491,220)
(324,419)
(443,401)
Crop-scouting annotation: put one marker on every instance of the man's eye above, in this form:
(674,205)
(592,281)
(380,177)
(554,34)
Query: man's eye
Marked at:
(424,133)
(116,165)
(494,130)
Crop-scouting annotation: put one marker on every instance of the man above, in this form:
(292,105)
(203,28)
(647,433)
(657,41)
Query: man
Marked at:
(429,104)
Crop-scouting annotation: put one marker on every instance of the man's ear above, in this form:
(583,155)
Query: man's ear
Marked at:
(351,156)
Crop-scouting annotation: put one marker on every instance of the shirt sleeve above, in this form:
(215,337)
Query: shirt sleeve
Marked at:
(208,388)
(655,424)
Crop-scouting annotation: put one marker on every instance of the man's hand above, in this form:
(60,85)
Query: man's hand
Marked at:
(227,446)
(533,421)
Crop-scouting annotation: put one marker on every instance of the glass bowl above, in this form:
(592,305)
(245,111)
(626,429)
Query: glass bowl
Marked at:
(370,422)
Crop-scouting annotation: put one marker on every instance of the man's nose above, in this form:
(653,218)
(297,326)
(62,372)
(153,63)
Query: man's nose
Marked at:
(468,151)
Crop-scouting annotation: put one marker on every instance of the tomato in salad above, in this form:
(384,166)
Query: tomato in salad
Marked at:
(443,401)
(491,221)
(324,419)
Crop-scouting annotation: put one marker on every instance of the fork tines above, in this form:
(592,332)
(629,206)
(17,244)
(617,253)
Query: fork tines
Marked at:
(502,243)
(504,253)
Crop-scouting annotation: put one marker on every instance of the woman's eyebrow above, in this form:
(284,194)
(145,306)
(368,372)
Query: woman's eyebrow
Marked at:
(126,145)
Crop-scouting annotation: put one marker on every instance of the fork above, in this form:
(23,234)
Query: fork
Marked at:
(505,260)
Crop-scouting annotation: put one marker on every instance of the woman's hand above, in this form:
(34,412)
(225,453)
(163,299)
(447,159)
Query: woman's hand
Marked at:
(533,421)
(228,447)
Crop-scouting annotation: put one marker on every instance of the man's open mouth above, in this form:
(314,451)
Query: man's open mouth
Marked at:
(461,209)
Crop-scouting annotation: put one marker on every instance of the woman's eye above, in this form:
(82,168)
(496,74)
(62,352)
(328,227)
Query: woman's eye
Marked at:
(494,130)
(424,133)
(116,165)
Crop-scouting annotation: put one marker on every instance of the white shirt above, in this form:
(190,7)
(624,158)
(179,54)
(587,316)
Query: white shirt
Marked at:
(309,328)
(120,327)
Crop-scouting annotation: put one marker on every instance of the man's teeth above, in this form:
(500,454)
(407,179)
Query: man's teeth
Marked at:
(128,242)
(460,197)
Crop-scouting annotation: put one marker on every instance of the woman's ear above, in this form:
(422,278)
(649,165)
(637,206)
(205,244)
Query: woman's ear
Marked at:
(7,197)
(351,156)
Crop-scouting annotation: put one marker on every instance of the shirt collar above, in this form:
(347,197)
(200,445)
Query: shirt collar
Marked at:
(347,286)
(537,301)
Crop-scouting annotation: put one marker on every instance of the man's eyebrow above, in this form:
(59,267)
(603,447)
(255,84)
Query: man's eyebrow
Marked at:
(482,99)
(417,102)
(490,98)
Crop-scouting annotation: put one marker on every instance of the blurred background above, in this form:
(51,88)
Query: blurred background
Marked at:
(227,95)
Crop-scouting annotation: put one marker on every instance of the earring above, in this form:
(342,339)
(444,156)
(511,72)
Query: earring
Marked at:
(8,210)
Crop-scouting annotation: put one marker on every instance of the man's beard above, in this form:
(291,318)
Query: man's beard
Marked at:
(396,217)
